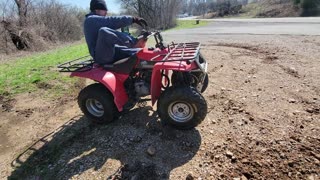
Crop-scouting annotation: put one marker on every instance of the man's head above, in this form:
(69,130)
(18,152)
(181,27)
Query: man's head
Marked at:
(99,7)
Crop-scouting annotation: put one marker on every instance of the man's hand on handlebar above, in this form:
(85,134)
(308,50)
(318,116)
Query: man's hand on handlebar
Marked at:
(140,21)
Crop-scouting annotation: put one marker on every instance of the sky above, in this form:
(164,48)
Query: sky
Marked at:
(113,5)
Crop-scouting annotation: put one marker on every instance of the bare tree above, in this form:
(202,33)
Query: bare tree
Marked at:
(219,7)
(22,6)
(160,14)
(29,24)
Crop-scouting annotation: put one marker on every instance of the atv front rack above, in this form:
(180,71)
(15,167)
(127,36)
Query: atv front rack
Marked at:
(181,52)
(82,64)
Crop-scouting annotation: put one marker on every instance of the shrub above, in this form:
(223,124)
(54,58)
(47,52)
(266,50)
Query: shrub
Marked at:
(46,22)
(310,7)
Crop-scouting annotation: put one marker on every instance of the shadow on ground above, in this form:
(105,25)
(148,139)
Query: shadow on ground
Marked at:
(115,151)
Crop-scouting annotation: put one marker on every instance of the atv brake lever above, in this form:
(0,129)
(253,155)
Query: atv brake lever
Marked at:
(145,35)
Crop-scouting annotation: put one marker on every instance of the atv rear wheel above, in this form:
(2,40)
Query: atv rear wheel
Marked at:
(96,102)
(182,107)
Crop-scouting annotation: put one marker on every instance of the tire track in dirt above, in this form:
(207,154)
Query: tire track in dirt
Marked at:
(6,103)
(269,57)
(253,157)
(28,118)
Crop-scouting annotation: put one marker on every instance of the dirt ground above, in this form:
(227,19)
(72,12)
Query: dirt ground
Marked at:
(263,123)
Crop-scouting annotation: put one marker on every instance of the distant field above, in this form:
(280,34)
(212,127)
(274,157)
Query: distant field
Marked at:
(187,24)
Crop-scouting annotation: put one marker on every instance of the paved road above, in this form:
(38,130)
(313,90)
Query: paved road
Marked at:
(261,26)
(271,20)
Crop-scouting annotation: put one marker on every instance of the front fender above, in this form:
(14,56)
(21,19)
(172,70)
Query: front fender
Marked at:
(156,81)
(112,81)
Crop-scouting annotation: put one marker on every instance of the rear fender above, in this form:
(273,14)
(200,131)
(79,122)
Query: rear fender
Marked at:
(112,81)
(156,81)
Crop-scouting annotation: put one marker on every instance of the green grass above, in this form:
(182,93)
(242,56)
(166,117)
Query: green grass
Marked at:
(187,24)
(26,74)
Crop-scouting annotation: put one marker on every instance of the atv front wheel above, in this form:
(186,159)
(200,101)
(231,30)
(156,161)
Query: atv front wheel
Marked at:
(202,87)
(96,102)
(182,107)
(191,78)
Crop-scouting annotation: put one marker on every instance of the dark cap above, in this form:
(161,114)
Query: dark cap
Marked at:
(98,5)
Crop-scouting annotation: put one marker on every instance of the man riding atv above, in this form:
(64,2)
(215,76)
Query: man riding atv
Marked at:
(106,44)
(173,76)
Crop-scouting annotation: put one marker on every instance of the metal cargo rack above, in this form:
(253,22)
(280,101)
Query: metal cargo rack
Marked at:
(181,52)
(82,64)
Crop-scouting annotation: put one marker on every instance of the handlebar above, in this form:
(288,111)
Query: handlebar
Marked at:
(158,38)
(143,36)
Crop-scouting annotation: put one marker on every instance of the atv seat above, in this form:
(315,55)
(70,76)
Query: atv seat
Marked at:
(123,66)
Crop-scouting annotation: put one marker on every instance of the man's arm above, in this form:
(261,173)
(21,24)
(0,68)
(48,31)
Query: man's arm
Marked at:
(113,22)
(117,22)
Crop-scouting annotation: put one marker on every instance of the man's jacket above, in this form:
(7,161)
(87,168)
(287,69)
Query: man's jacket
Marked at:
(93,23)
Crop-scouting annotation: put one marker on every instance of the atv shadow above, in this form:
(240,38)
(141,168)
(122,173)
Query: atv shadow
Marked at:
(135,146)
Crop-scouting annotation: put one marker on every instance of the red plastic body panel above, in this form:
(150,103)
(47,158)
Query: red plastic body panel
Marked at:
(113,81)
(146,54)
(156,81)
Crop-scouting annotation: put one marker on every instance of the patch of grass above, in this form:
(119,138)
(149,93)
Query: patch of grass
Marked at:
(26,74)
(187,24)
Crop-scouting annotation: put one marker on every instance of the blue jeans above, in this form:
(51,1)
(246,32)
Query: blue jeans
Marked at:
(112,46)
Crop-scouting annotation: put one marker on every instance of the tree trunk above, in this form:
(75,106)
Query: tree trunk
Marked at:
(139,8)
(16,36)
(22,12)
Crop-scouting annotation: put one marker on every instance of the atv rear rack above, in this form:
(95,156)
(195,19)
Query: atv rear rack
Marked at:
(181,52)
(82,64)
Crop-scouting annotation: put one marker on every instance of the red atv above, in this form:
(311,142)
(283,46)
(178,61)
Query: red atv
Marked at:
(174,76)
